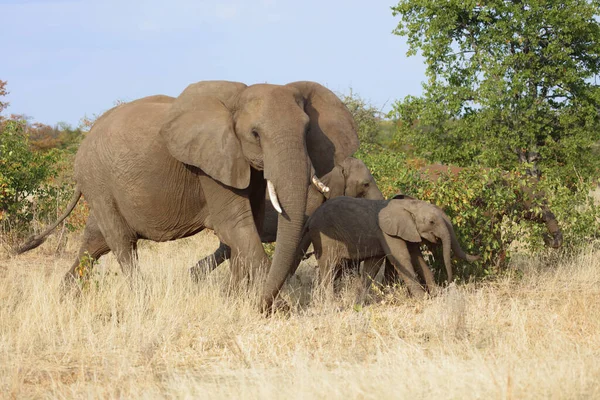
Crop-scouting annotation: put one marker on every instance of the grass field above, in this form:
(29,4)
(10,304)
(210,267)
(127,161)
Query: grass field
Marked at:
(533,335)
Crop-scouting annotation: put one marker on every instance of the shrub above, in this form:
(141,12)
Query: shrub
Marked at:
(485,208)
(368,118)
(33,187)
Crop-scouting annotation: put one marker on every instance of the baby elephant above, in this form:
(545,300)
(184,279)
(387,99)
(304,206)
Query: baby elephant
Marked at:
(348,229)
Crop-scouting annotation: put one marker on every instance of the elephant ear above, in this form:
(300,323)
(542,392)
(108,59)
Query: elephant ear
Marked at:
(397,221)
(335,181)
(332,136)
(199,131)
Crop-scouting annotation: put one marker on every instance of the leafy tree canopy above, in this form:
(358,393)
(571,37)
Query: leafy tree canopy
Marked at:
(508,82)
(367,117)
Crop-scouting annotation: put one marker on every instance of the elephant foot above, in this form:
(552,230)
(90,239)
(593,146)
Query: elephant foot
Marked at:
(280,306)
(433,290)
(451,288)
(417,291)
(275,306)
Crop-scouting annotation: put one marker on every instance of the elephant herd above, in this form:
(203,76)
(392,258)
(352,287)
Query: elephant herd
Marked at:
(258,163)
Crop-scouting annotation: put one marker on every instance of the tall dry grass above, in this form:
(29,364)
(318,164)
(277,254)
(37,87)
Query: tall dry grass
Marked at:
(533,335)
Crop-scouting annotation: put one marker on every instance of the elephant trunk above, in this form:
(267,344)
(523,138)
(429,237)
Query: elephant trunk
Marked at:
(458,251)
(289,173)
(446,245)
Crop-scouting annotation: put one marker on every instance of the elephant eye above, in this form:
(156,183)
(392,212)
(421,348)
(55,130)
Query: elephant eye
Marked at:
(431,222)
(255,135)
(366,184)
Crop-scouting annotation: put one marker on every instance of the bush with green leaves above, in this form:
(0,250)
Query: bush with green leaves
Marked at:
(30,190)
(368,118)
(486,210)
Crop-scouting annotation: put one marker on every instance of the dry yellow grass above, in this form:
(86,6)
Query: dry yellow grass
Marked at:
(537,336)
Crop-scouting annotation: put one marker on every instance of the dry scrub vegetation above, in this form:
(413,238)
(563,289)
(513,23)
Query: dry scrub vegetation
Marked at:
(533,335)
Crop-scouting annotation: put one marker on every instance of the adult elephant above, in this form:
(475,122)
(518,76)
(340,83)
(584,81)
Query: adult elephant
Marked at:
(164,168)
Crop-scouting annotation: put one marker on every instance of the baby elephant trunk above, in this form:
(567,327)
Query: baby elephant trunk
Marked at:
(450,242)
(446,243)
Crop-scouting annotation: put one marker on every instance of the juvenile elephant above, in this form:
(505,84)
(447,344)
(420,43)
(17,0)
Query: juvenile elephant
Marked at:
(164,168)
(348,229)
(351,178)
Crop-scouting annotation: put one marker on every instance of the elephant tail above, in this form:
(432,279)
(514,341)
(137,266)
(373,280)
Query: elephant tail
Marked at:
(36,240)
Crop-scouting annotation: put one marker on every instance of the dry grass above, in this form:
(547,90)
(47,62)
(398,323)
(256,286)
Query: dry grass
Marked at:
(537,336)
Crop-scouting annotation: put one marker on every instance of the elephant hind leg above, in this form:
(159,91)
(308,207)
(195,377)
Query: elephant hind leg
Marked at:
(211,262)
(390,275)
(92,248)
(371,267)
(121,240)
(330,268)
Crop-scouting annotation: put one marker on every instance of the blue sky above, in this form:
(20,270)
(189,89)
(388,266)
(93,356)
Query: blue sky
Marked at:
(64,59)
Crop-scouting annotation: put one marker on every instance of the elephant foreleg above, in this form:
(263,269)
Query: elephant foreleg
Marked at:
(233,221)
(421,267)
(257,203)
(398,254)
(248,260)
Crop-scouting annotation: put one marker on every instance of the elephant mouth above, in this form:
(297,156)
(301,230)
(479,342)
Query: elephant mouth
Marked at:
(431,238)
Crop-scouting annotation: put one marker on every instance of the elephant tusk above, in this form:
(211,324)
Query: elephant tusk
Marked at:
(273,197)
(323,188)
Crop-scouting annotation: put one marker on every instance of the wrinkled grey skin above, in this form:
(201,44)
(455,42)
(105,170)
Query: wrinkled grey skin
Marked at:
(351,178)
(347,229)
(164,168)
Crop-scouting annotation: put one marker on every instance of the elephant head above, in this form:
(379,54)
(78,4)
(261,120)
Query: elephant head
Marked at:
(226,128)
(414,220)
(351,178)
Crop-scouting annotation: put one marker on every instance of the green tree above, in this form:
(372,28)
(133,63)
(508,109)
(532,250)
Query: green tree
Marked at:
(508,82)
(22,175)
(368,118)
